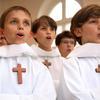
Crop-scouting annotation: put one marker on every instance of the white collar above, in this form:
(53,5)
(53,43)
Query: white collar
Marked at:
(16,50)
(86,50)
(42,53)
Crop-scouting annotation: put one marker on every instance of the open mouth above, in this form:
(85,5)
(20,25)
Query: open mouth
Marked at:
(68,50)
(20,34)
(49,37)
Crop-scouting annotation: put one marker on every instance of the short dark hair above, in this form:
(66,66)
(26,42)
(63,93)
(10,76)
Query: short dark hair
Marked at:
(43,20)
(64,34)
(82,16)
(13,8)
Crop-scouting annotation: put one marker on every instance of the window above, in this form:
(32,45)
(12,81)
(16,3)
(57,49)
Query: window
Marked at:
(56,12)
(63,12)
(72,7)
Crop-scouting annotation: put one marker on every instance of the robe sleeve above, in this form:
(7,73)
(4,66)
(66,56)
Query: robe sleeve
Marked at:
(72,86)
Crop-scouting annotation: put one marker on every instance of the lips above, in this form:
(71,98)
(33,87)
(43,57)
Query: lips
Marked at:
(48,37)
(68,50)
(20,34)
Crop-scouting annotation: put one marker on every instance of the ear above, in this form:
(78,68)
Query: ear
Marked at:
(77,32)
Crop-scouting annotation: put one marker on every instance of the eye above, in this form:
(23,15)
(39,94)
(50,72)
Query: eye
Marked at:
(43,28)
(27,23)
(13,21)
(72,42)
(52,29)
(93,20)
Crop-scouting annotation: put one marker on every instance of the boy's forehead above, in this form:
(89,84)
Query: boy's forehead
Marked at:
(17,13)
(67,38)
(44,23)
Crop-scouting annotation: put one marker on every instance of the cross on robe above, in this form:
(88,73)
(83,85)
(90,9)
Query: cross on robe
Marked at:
(19,71)
(47,63)
(98,69)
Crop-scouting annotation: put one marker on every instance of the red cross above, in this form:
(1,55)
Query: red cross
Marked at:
(98,69)
(19,71)
(47,63)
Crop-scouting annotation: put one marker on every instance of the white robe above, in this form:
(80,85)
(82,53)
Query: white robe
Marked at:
(37,82)
(54,58)
(80,81)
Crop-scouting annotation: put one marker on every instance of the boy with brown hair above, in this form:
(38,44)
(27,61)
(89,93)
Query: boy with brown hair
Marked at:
(21,76)
(65,42)
(44,32)
(81,77)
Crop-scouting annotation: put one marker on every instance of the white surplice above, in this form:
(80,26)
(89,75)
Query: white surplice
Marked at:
(80,81)
(54,58)
(37,82)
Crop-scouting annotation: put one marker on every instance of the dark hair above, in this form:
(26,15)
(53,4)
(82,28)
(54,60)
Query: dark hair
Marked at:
(64,34)
(43,20)
(13,8)
(82,16)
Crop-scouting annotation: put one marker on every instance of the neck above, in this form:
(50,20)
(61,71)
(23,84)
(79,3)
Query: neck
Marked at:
(46,48)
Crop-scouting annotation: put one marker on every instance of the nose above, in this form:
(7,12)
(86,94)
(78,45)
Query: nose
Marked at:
(20,26)
(49,31)
(69,44)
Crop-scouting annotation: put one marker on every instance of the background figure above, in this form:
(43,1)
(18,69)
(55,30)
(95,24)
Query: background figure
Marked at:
(65,42)
(21,76)
(81,77)
(44,32)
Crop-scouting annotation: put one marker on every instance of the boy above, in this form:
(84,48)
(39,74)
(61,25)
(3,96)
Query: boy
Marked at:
(44,32)
(65,42)
(21,76)
(81,77)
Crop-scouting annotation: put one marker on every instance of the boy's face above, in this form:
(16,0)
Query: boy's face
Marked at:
(17,27)
(90,31)
(66,46)
(45,36)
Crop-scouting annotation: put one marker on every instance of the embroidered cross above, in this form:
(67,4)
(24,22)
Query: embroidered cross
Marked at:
(98,69)
(47,63)
(19,71)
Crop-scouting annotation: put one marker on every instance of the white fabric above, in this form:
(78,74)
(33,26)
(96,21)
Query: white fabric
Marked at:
(54,58)
(86,50)
(37,82)
(80,80)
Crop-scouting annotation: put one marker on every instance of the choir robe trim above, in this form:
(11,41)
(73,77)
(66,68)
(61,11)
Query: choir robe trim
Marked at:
(86,50)
(16,50)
